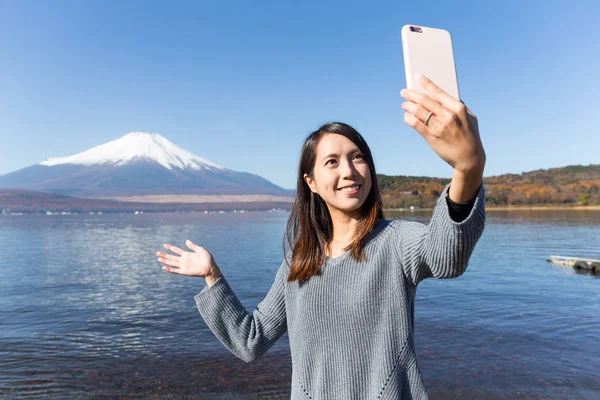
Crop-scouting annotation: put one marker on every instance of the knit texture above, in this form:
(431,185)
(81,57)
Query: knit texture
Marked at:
(351,328)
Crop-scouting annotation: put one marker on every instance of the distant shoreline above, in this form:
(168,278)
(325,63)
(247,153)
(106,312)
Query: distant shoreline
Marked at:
(513,208)
(189,199)
(543,208)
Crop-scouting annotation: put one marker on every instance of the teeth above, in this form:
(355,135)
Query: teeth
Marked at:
(349,189)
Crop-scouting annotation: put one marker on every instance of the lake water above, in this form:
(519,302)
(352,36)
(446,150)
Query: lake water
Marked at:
(86,311)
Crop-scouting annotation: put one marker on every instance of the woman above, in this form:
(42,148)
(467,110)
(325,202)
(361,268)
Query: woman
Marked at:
(345,291)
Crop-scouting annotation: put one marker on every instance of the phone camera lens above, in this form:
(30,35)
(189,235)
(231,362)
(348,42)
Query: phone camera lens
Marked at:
(416,29)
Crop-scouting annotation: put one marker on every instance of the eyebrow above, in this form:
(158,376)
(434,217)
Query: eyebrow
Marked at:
(335,155)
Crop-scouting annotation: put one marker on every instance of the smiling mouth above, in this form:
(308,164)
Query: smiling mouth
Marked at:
(350,189)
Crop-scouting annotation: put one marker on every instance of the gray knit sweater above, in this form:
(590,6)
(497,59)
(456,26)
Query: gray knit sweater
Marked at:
(351,329)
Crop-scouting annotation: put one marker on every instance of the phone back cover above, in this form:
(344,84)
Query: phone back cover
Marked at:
(429,53)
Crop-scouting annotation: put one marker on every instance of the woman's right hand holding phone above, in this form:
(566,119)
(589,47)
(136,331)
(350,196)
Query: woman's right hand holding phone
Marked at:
(198,262)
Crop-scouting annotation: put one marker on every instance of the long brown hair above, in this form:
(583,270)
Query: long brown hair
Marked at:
(309,228)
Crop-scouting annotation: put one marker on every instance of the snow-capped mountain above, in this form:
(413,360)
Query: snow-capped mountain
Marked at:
(150,146)
(137,163)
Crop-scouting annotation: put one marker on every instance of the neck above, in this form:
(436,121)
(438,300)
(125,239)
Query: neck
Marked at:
(344,227)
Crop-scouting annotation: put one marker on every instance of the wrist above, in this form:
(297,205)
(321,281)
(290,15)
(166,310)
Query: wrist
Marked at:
(470,175)
(211,278)
(471,165)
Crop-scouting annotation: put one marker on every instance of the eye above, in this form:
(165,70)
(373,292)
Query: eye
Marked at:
(359,156)
(327,162)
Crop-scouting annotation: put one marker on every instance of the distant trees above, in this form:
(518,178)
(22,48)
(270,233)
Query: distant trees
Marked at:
(584,199)
(568,185)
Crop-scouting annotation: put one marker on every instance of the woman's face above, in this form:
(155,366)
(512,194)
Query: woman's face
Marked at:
(340,164)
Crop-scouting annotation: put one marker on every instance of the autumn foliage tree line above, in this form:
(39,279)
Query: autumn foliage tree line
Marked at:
(571,185)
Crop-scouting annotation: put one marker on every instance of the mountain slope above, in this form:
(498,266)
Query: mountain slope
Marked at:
(136,164)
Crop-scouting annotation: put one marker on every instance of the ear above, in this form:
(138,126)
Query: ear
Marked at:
(310,182)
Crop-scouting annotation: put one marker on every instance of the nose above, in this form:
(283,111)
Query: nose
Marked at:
(349,170)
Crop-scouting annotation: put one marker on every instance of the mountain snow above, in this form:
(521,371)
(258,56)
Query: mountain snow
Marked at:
(149,146)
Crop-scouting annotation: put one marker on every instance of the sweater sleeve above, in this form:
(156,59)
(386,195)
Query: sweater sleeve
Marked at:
(460,211)
(442,248)
(247,336)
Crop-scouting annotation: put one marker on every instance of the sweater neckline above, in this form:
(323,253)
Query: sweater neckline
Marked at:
(375,232)
(341,256)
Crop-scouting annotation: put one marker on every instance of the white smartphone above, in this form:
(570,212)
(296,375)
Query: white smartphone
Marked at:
(428,51)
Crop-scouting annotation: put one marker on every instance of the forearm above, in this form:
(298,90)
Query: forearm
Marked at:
(441,249)
(448,244)
(465,184)
(246,335)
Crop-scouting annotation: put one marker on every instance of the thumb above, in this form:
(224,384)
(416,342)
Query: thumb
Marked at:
(191,244)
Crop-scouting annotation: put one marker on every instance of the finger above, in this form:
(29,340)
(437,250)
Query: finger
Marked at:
(469,112)
(438,94)
(172,270)
(174,263)
(419,112)
(423,100)
(167,256)
(174,249)
(191,245)
(416,123)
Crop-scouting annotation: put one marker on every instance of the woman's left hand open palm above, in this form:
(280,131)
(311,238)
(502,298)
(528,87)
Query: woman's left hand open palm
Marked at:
(452,130)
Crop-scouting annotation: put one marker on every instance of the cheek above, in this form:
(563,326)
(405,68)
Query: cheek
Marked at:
(329,181)
(368,182)
(325,182)
(366,173)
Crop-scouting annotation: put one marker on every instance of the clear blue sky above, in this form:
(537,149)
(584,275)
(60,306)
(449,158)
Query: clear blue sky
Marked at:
(242,83)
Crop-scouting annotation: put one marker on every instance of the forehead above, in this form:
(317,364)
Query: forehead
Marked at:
(334,143)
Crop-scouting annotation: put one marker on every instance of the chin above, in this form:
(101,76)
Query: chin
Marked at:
(350,209)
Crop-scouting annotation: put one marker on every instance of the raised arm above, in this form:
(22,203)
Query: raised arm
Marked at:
(247,336)
(442,248)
